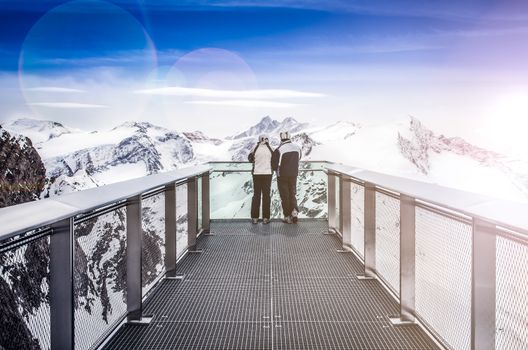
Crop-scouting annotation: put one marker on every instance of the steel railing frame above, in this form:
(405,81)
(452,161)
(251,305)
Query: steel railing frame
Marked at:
(484,233)
(85,205)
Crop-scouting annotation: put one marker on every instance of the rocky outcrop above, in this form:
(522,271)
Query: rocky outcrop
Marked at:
(23,270)
(22,173)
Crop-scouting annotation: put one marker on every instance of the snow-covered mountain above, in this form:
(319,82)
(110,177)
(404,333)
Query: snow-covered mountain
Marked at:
(271,127)
(37,130)
(76,159)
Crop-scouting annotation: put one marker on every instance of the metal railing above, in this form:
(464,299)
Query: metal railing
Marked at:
(455,261)
(74,267)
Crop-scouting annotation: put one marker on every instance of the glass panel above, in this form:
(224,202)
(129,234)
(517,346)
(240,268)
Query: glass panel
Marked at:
(153,259)
(388,240)
(99,276)
(443,276)
(182,230)
(24,294)
(232,192)
(511,295)
(199,203)
(357,196)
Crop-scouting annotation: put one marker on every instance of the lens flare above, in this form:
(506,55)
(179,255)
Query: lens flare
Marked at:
(89,46)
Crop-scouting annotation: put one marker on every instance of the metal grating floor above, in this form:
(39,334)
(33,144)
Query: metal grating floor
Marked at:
(274,286)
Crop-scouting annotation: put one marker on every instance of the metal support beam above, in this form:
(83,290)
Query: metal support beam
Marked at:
(206,211)
(345,211)
(192,213)
(407,261)
(370,231)
(133,258)
(332,218)
(170,230)
(61,285)
(483,286)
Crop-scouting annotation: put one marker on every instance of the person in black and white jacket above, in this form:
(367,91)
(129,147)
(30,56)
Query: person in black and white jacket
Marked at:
(260,156)
(285,161)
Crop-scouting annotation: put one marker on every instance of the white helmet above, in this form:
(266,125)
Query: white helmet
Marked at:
(284,135)
(263,138)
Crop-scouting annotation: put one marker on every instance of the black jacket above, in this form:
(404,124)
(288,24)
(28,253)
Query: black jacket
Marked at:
(285,159)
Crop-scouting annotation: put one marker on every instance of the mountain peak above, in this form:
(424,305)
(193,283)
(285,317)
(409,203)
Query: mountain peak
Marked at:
(37,130)
(270,126)
(140,125)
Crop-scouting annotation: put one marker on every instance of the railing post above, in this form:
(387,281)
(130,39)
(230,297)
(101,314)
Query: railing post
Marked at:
(170,230)
(206,211)
(369,232)
(483,286)
(407,261)
(61,285)
(192,213)
(332,224)
(133,258)
(345,211)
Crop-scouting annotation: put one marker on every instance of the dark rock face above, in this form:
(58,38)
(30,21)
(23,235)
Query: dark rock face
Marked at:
(21,276)
(22,173)
(23,270)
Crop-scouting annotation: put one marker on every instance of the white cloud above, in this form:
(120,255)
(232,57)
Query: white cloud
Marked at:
(235,94)
(54,89)
(245,103)
(66,105)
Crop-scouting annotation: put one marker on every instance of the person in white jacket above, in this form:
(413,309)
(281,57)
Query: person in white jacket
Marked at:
(260,156)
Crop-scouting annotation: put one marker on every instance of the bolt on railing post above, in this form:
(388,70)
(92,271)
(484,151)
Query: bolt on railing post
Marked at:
(345,211)
(192,213)
(483,285)
(206,211)
(61,285)
(332,224)
(369,232)
(134,249)
(407,261)
(170,230)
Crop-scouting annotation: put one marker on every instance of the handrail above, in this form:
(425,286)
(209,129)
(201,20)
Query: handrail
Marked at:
(509,214)
(25,217)
(486,218)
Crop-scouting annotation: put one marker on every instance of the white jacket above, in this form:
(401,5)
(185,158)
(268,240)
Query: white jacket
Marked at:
(260,156)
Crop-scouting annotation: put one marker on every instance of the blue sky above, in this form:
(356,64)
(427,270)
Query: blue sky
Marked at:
(451,63)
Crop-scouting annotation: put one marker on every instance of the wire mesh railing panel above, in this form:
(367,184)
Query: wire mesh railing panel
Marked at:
(357,196)
(99,276)
(153,252)
(231,193)
(24,293)
(388,240)
(511,295)
(443,276)
(182,230)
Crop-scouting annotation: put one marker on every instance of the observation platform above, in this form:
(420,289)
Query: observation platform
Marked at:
(171,261)
(275,286)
